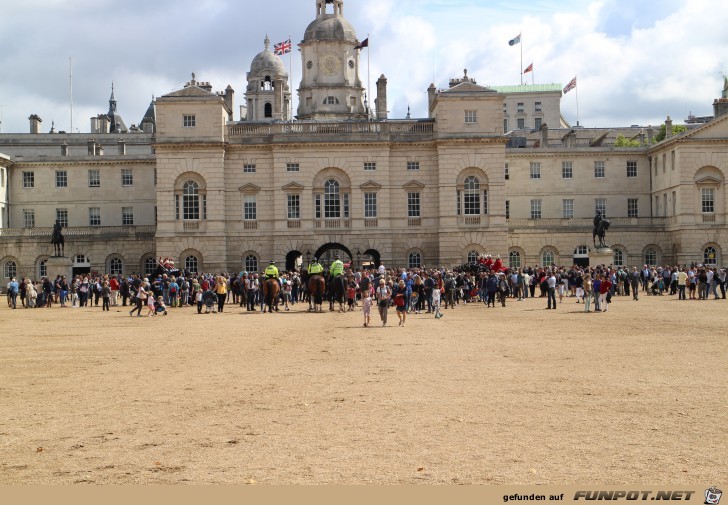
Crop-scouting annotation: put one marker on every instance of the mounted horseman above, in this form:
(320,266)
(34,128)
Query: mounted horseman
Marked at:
(57,240)
(337,284)
(601,225)
(316,286)
(271,287)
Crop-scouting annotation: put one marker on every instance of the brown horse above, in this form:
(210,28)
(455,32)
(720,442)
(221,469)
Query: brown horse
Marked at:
(271,289)
(316,291)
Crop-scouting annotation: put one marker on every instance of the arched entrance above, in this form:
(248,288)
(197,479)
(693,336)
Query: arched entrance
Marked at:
(327,252)
(371,257)
(294,259)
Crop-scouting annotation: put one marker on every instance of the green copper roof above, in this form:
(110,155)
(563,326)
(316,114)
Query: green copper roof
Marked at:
(527,88)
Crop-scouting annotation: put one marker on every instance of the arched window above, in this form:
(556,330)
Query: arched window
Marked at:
(414,260)
(618,258)
(268,110)
(43,268)
(332,199)
(582,250)
(82,259)
(191,263)
(251,264)
(191,201)
(548,258)
(471,196)
(650,257)
(150,267)
(115,266)
(473,256)
(10,269)
(331,100)
(267,85)
(710,256)
(514,259)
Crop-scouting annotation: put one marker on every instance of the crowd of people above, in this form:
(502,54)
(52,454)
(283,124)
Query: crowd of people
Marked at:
(407,291)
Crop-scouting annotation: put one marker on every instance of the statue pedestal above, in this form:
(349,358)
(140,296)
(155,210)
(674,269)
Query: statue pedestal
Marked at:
(601,256)
(59,266)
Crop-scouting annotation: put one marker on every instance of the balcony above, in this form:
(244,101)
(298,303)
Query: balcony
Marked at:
(83,232)
(250,225)
(294,224)
(332,224)
(371,222)
(414,221)
(470,220)
(191,225)
(709,218)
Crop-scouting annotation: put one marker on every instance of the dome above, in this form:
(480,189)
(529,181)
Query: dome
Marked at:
(266,62)
(330,28)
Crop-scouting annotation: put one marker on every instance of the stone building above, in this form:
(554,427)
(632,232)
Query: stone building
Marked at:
(222,195)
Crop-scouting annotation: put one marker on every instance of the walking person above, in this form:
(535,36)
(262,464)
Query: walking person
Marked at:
(366,302)
(400,301)
(604,294)
(140,299)
(383,295)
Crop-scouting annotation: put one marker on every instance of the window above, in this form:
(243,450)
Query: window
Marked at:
(506,174)
(127,216)
(127,177)
(345,202)
(664,204)
(632,207)
(535,209)
(370,205)
(657,206)
(62,217)
(191,264)
(251,263)
(317,206)
(94,216)
(28,179)
(473,256)
(548,258)
(521,123)
(599,169)
(43,268)
(650,257)
(672,160)
(674,203)
(294,206)
(471,116)
(537,123)
(250,212)
(2,177)
(537,107)
(150,267)
(94,178)
(61,179)
(618,258)
(115,266)
(568,208)
(710,256)
(508,209)
(535,170)
(413,205)
(485,202)
(268,110)
(370,166)
(332,199)
(249,168)
(188,121)
(413,165)
(471,193)
(293,167)
(664,162)
(600,205)
(708,200)
(10,270)
(505,125)
(631,169)
(331,100)
(28,218)
(155,176)
(519,107)
(514,259)
(582,250)
(567,170)
(414,260)
(190,201)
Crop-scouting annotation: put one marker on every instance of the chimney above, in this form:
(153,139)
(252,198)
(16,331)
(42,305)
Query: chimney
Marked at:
(642,138)
(64,148)
(649,135)
(122,146)
(668,127)
(381,101)
(431,93)
(91,146)
(35,122)
(544,135)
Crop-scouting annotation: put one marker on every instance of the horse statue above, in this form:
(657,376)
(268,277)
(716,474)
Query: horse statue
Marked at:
(316,288)
(57,240)
(337,292)
(600,230)
(271,290)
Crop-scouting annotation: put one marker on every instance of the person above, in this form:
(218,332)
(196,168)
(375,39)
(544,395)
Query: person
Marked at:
(351,295)
(173,292)
(337,267)
(383,295)
(588,290)
(315,268)
(114,285)
(159,306)
(366,302)
(198,300)
(551,290)
(221,291)
(436,295)
(635,282)
(140,299)
(604,295)
(400,302)
(13,293)
(502,289)
(682,279)
(105,295)
(150,304)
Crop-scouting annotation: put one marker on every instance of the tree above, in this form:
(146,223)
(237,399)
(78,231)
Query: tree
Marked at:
(676,128)
(622,141)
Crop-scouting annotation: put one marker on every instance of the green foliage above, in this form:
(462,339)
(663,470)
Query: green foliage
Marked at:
(622,141)
(676,128)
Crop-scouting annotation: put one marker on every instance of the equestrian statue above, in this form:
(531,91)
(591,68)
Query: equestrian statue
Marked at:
(601,225)
(57,240)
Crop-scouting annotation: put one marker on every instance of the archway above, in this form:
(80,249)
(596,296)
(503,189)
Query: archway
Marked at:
(292,261)
(376,258)
(326,253)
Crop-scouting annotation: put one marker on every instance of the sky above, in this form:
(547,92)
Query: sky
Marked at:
(636,61)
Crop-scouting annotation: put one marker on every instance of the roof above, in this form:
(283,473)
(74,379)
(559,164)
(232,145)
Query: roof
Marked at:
(528,88)
(190,91)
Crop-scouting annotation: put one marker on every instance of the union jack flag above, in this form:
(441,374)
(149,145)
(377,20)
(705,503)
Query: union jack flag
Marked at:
(282,47)
(570,86)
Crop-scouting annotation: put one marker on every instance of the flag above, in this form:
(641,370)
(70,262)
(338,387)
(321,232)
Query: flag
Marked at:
(361,45)
(570,86)
(528,69)
(282,47)
(514,41)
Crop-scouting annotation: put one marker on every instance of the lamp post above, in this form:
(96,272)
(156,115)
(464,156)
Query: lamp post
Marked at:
(358,258)
(308,258)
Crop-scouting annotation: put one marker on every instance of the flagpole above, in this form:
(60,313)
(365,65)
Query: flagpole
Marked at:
(577,100)
(521,44)
(369,81)
(290,78)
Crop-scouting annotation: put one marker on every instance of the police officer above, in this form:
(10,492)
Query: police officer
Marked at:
(337,267)
(271,271)
(315,268)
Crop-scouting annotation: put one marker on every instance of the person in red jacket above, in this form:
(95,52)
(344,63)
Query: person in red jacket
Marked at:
(114,285)
(604,288)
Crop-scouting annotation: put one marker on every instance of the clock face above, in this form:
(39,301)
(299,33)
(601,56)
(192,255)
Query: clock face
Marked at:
(309,65)
(351,63)
(330,65)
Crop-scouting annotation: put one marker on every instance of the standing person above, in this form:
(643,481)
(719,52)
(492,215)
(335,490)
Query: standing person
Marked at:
(635,281)
(173,291)
(551,290)
(106,296)
(436,295)
(682,279)
(502,289)
(383,295)
(13,289)
(366,302)
(150,304)
(596,284)
(221,292)
(400,301)
(588,291)
(604,288)
(114,285)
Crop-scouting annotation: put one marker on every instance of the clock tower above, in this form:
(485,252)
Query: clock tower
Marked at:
(330,87)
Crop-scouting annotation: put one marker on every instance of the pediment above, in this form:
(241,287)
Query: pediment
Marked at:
(249,188)
(371,185)
(708,180)
(292,186)
(413,185)
(468,87)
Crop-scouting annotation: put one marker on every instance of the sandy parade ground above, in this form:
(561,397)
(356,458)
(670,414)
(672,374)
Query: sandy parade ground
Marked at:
(515,395)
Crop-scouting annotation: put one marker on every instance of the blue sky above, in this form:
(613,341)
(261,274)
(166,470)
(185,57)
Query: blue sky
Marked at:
(637,61)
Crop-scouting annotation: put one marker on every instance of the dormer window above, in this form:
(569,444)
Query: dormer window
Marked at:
(331,100)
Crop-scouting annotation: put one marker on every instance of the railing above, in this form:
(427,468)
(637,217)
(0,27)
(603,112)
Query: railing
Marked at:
(414,221)
(250,225)
(329,128)
(709,218)
(470,220)
(587,222)
(332,224)
(371,223)
(131,232)
(191,225)
(294,224)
